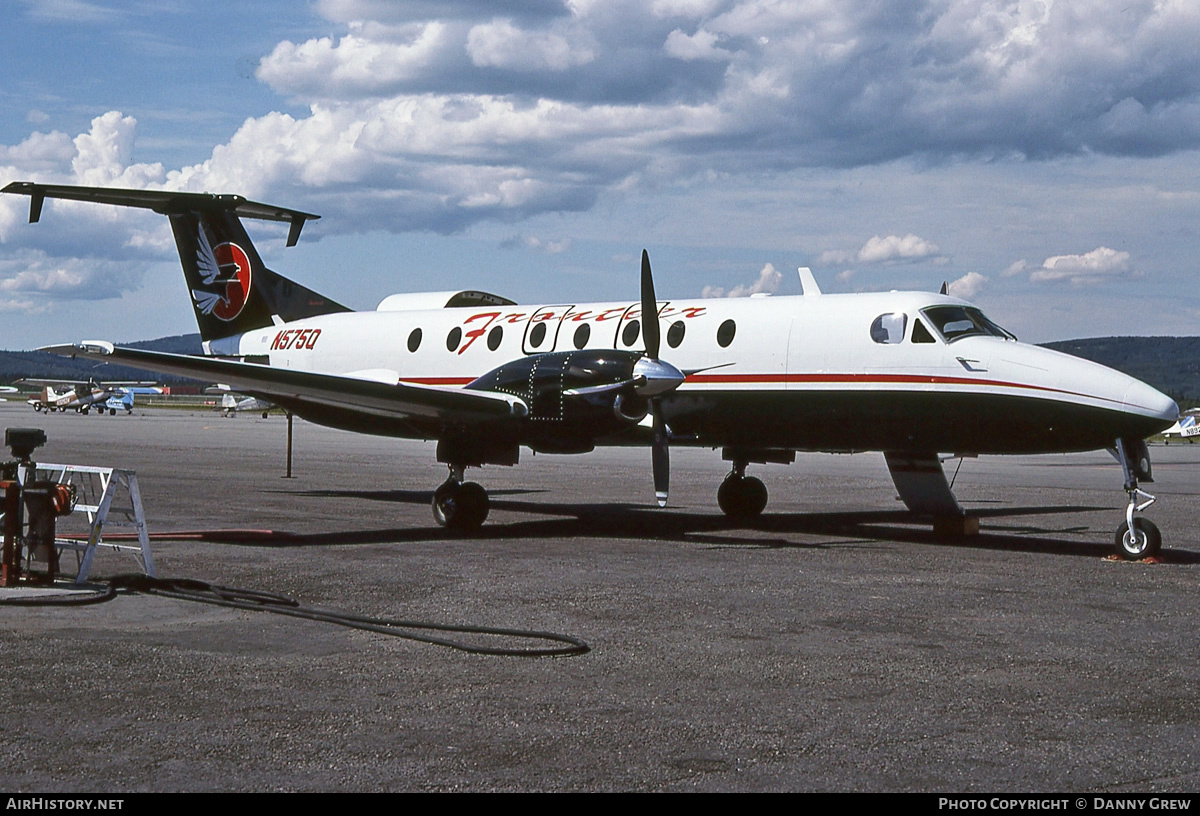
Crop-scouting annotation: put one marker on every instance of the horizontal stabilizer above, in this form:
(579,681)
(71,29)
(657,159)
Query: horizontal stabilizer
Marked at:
(164,202)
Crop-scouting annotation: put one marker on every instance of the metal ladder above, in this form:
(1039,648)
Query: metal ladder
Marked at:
(96,490)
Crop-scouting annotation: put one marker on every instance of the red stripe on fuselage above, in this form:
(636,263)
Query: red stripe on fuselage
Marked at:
(871,379)
(437,380)
(831,379)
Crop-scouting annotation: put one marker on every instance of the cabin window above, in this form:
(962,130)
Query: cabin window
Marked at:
(494,337)
(889,328)
(725,333)
(453,339)
(537,335)
(921,334)
(675,334)
(414,340)
(582,334)
(629,334)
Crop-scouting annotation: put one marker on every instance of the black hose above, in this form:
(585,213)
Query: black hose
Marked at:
(76,599)
(255,600)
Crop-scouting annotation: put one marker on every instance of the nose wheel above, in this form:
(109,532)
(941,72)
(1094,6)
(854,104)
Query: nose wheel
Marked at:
(458,505)
(1138,538)
(1142,540)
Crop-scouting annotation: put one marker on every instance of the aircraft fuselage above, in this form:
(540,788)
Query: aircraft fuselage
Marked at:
(819,373)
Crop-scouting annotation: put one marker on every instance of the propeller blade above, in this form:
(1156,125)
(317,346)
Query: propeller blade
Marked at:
(660,456)
(650,332)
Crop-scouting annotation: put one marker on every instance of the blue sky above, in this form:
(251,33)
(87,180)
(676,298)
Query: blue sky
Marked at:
(1040,156)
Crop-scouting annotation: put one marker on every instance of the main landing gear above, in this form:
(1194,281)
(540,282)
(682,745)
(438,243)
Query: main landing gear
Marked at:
(1138,537)
(458,505)
(741,496)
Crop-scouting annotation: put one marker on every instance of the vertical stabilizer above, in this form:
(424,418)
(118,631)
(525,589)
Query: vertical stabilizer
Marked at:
(231,290)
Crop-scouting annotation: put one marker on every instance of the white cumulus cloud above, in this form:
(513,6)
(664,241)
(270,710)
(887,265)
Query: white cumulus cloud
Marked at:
(500,44)
(883,249)
(354,65)
(968,286)
(1090,267)
(769,279)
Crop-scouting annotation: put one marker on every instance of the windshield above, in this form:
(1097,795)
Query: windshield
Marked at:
(954,322)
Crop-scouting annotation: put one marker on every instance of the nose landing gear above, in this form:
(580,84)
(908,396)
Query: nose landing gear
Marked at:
(1138,538)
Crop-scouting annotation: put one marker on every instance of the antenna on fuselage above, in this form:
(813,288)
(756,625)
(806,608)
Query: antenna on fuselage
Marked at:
(945,288)
(808,284)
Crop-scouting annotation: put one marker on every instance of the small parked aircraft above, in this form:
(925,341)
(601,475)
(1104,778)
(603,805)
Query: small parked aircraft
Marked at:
(1186,427)
(233,403)
(910,374)
(84,395)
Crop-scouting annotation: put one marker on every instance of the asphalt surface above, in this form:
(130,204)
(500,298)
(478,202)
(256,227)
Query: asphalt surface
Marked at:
(834,644)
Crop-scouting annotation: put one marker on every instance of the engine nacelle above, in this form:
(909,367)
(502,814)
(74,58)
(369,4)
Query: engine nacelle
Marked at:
(579,394)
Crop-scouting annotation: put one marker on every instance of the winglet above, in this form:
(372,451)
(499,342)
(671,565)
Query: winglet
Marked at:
(36,200)
(100,347)
(808,283)
(294,230)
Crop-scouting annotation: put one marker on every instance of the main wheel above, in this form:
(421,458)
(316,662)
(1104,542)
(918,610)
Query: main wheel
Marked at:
(1143,541)
(461,506)
(742,497)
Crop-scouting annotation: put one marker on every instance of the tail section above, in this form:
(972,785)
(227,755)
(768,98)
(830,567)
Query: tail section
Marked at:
(232,291)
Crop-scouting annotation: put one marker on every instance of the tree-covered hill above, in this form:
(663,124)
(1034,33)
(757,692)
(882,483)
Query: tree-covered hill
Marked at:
(1170,364)
(15,365)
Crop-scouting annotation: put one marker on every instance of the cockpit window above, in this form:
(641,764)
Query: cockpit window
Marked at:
(889,328)
(954,322)
(920,333)
(998,331)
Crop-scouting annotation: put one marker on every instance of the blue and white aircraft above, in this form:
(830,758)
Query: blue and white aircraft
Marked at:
(84,395)
(1186,427)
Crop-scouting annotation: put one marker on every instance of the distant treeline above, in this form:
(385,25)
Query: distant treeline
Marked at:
(15,365)
(1170,364)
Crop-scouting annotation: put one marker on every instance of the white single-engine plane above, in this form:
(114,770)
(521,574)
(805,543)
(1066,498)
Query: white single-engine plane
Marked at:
(233,403)
(909,374)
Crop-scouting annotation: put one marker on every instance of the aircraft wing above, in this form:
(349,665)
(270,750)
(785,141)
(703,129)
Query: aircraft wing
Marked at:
(87,383)
(353,395)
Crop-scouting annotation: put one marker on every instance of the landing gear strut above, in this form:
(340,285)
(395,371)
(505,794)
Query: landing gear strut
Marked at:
(741,496)
(1138,537)
(458,505)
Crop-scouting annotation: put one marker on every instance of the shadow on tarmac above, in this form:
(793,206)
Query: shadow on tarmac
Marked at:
(770,530)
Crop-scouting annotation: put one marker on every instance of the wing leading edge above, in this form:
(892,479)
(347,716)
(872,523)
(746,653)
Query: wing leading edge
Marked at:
(352,399)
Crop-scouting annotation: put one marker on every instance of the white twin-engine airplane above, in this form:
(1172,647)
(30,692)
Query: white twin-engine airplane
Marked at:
(910,374)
